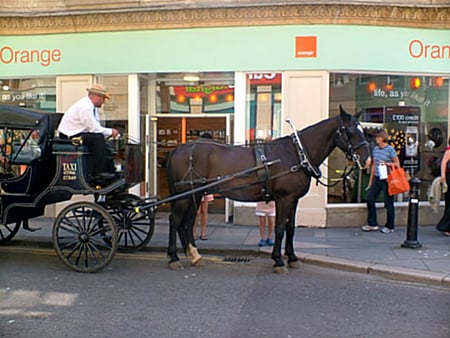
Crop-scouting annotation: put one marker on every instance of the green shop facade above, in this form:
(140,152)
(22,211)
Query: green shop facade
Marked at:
(240,84)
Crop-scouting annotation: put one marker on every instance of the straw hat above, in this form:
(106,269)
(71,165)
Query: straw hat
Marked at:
(99,89)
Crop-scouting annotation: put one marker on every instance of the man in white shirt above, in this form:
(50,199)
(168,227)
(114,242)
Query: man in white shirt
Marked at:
(82,119)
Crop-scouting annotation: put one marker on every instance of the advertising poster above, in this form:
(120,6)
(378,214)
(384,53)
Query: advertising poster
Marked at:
(402,124)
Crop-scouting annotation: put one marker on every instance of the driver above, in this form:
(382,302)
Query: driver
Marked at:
(82,119)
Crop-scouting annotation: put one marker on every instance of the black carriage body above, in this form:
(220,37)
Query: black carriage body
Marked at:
(26,145)
(40,169)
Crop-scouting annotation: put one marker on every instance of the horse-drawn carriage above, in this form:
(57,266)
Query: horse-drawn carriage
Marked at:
(38,169)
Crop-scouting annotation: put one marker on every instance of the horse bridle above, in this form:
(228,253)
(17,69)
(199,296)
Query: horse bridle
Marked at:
(344,134)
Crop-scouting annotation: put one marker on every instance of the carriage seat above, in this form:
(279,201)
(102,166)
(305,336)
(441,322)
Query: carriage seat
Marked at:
(64,146)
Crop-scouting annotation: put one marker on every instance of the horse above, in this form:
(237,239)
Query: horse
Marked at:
(279,170)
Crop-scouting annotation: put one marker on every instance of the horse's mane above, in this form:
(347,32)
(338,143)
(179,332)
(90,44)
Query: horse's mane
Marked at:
(315,125)
(280,140)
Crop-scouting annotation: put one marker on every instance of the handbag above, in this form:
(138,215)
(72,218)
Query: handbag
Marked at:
(397,181)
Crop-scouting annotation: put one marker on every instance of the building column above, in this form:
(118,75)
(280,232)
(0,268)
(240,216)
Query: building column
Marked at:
(305,102)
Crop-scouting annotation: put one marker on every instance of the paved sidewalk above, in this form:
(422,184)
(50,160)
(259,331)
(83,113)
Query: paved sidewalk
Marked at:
(342,248)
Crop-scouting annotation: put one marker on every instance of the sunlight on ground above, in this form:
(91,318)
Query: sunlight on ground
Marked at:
(25,302)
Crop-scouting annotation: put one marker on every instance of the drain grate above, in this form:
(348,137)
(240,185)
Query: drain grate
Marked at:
(238,259)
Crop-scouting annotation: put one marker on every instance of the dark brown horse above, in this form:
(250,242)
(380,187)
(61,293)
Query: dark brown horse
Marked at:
(280,170)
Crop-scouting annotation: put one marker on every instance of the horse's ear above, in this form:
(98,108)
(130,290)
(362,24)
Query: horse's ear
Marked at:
(358,114)
(344,114)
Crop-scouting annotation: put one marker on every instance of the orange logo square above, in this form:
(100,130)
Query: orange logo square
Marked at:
(306,46)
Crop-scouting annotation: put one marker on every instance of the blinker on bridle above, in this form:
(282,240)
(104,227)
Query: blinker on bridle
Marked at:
(346,134)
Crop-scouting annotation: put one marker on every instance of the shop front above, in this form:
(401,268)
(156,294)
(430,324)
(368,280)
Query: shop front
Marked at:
(300,72)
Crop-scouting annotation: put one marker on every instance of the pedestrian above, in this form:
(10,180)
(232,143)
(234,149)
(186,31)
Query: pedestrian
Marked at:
(444,223)
(384,158)
(202,217)
(266,211)
(82,119)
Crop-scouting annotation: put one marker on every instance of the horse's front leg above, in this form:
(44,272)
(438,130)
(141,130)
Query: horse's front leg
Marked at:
(293,262)
(280,225)
(174,261)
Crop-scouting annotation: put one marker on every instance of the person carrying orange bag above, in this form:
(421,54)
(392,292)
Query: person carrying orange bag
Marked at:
(384,159)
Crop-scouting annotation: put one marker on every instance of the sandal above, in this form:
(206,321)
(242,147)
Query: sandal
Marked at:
(446,234)
(195,237)
(204,237)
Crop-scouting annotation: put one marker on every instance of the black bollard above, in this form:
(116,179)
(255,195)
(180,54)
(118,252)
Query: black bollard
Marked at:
(413,216)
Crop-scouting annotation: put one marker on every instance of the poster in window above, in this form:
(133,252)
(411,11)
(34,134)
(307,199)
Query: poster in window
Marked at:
(402,125)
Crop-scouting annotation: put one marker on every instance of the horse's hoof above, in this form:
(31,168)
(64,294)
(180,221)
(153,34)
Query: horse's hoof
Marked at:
(280,269)
(176,266)
(198,262)
(294,265)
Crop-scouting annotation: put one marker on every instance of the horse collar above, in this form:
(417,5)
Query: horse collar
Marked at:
(304,161)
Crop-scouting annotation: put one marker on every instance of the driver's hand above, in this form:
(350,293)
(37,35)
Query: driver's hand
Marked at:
(115,132)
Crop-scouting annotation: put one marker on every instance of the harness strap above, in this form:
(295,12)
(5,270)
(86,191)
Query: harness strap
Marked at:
(263,173)
(303,158)
(302,155)
(192,174)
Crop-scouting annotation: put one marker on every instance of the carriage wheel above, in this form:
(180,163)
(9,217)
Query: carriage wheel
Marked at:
(134,229)
(8,231)
(85,237)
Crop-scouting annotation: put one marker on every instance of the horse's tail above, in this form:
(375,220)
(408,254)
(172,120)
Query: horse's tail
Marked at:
(170,178)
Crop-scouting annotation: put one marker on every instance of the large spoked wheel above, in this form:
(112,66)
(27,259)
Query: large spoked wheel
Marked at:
(8,231)
(85,237)
(135,229)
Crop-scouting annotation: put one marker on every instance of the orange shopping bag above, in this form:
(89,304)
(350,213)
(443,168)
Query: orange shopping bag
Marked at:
(397,181)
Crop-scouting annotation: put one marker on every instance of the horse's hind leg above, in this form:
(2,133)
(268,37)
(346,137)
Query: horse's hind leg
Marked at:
(181,222)
(189,245)
(175,220)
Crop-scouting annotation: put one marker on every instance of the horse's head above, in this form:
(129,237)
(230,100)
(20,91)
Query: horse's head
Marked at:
(350,138)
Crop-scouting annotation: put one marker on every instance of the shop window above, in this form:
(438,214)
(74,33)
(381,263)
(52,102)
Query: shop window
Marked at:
(198,98)
(412,109)
(115,111)
(33,93)
(263,115)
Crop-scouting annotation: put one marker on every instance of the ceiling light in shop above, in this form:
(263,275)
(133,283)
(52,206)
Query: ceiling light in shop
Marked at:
(389,84)
(191,77)
(438,81)
(371,86)
(415,83)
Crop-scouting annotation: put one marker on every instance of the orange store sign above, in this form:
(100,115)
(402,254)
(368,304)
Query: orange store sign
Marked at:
(44,57)
(306,46)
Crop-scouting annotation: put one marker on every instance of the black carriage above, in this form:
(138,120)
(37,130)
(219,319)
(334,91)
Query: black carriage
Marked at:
(38,169)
